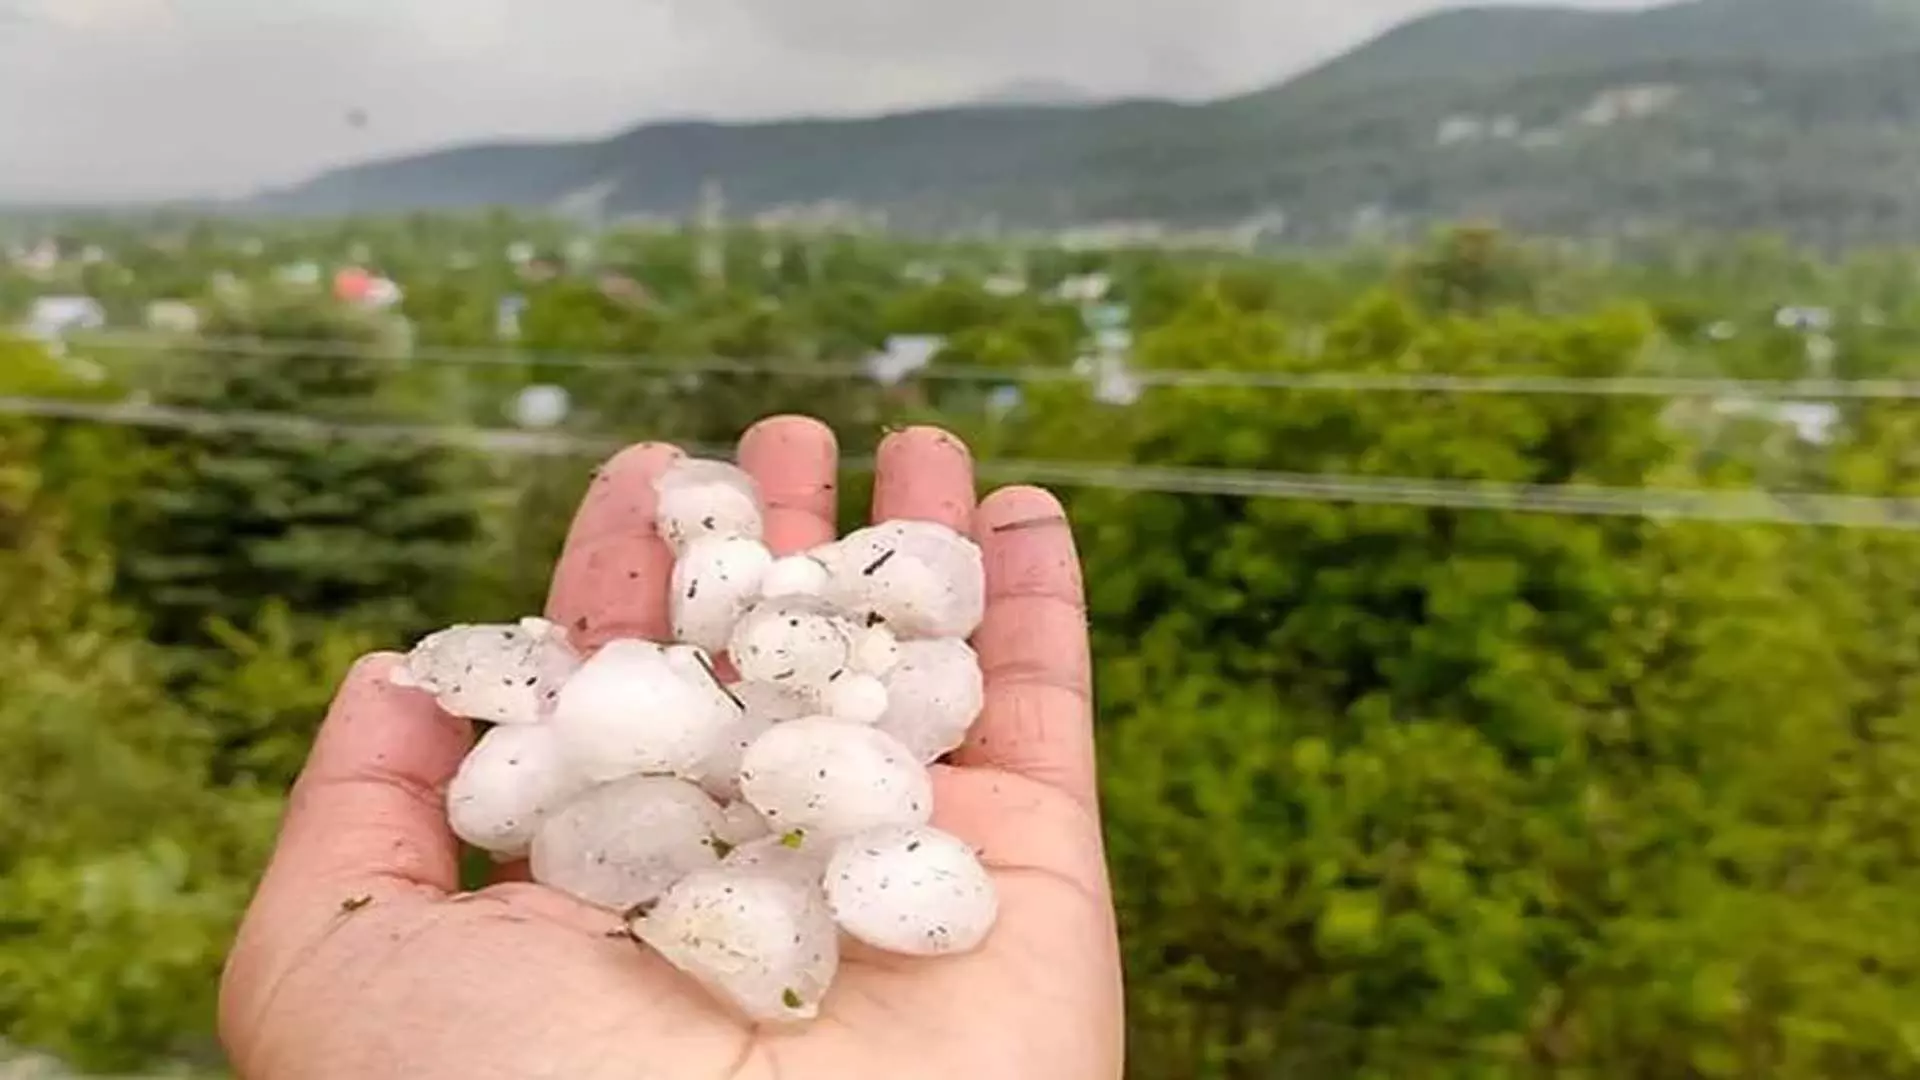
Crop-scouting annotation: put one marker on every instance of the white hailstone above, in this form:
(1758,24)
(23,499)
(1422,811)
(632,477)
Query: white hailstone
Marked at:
(859,699)
(699,498)
(715,581)
(506,786)
(636,707)
(875,650)
(508,674)
(622,844)
(934,695)
(791,855)
(829,778)
(773,703)
(913,890)
(795,575)
(796,644)
(921,578)
(744,825)
(719,772)
(756,941)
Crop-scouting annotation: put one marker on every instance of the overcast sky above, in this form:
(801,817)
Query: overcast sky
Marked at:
(137,98)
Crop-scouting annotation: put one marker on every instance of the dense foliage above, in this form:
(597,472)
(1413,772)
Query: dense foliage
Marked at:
(1392,790)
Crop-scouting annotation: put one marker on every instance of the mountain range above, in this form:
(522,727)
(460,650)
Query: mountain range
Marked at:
(1798,116)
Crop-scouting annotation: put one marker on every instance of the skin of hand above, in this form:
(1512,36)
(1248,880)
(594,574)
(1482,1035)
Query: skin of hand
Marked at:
(360,959)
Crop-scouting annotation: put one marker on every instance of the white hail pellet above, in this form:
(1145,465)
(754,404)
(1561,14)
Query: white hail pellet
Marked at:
(875,650)
(795,575)
(699,499)
(623,844)
(795,644)
(911,889)
(775,704)
(829,778)
(715,581)
(507,785)
(859,699)
(718,774)
(744,825)
(790,855)
(934,695)
(508,674)
(636,707)
(921,578)
(757,941)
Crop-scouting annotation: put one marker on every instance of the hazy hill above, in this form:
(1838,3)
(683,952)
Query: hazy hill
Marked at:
(1488,44)
(1798,114)
(1035,92)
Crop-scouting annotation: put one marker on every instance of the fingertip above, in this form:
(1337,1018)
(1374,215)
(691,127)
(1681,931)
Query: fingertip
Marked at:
(643,457)
(612,576)
(622,500)
(922,438)
(789,429)
(1018,507)
(377,725)
(924,474)
(795,462)
(371,685)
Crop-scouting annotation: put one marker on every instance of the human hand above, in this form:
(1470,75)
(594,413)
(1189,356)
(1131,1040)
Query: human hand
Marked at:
(360,959)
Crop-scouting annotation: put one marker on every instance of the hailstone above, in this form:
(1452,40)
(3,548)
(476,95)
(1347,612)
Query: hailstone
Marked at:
(740,827)
(772,702)
(719,772)
(911,889)
(743,825)
(934,695)
(500,674)
(795,575)
(623,844)
(789,855)
(511,780)
(920,578)
(757,941)
(829,778)
(875,650)
(715,581)
(636,707)
(796,644)
(861,699)
(700,499)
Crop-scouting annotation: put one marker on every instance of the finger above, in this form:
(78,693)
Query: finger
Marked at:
(367,819)
(612,578)
(1038,717)
(795,460)
(924,474)
(371,802)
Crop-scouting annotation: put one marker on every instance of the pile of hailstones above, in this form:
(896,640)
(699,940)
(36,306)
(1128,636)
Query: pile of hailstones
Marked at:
(740,826)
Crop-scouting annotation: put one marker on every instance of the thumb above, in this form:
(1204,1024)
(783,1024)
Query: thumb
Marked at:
(365,821)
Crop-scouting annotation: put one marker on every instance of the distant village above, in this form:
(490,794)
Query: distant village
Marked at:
(59,318)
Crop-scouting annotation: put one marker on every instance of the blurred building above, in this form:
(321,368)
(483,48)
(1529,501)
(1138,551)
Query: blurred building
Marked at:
(173,317)
(903,355)
(52,318)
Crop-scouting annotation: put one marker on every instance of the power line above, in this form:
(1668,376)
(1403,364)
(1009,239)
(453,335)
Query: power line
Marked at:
(1180,378)
(1750,506)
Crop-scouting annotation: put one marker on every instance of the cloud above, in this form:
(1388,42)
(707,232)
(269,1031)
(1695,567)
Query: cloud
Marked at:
(111,15)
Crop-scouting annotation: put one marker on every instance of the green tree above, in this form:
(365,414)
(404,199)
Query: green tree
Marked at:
(1402,790)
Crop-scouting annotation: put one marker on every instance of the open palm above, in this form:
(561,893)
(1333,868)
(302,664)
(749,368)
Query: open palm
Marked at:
(361,959)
